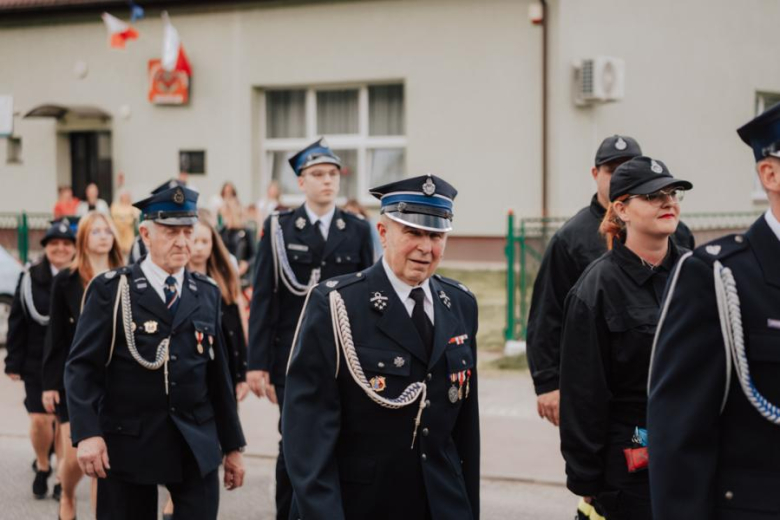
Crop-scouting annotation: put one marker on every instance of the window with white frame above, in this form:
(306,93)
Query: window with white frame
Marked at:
(363,124)
(764,101)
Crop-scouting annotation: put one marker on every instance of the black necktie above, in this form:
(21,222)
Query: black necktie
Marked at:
(420,319)
(318,231)
(171,294)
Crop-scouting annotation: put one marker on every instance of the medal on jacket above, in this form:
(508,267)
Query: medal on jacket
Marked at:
(199,339)
(211,347)
(468,381)
(461,383)
(452,393)
(378,383)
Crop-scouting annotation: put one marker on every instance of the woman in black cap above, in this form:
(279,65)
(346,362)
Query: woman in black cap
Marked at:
(27,325)
(610,318)
(97,250)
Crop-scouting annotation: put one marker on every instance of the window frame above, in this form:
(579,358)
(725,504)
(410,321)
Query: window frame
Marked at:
(362,142)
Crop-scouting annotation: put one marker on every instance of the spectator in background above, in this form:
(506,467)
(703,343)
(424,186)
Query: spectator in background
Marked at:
(269,203)
(354,207)
(93,202)
(125,216)
(234,233)
(227,192)
(67,204)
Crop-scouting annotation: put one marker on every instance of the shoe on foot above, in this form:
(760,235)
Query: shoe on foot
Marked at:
(57,492)
(40,485)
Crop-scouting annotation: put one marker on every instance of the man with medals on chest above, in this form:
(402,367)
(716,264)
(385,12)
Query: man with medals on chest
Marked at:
(149,392)
(714,403)
(382,417)
(297,249)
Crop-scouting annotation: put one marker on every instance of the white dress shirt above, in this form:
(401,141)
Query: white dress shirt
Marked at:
(156,276)
(404,291)
(323,222)
(774,224)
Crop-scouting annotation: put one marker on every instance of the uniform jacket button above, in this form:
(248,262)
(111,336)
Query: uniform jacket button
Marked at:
(425,432)
(462,360)
(173,383)
(424,457)
(230,332)
(173,408)
(323,262)
(429,376)
(427,403)
(729,495)
(174,357)
(380,364)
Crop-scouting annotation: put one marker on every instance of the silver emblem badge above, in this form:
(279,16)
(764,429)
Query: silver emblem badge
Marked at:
(428,187)
(63,228)
(341,224)
(713,249)
(178,196)
(330,284)
(657,168)
(379,301)
(620,144)
(150,327)
(445,299)
(399,362)
(452,393)
(739,239)
(109,275)
(300,223)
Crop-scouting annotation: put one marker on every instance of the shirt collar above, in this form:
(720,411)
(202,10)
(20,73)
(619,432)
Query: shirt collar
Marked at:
(159,274)
(632,264)
(774,224)
(402,289)
(325,219)
(54,270)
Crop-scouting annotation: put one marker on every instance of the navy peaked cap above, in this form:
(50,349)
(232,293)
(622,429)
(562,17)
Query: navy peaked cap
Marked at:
(171,207)
(642,176)
(64,228)
(316,153)
(617,147)
(424,202)
(762,133)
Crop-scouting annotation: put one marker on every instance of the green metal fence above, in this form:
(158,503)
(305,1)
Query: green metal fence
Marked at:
(18,227)
(527,238)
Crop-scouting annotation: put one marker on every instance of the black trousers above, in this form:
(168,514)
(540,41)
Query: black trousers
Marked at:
(626,496)
(284,491)
(195,498)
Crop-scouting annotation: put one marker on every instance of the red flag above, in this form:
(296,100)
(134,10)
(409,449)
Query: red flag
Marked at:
(173,55)
(118,31)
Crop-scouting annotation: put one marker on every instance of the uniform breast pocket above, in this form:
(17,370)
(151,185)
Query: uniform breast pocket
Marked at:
(385,362)
(460,364)
(299,257)
(640,320)
(346,257)
(764,347)
(632,329)
(205,337)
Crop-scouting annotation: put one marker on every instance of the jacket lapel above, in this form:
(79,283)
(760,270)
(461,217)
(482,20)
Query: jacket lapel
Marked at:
(145,296)
(766,247)
(394,320)
(335,235)
(189,301)
(445,323)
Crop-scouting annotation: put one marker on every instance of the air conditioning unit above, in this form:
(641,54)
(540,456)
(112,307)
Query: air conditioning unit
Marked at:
(598,80)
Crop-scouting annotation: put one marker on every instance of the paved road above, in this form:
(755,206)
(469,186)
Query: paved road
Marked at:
(521,467)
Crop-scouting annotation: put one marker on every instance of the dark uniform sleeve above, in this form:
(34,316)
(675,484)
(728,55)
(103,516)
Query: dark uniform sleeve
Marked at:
(466,432)
(264,306)
(557,275)
(85,370)
(312,404)
(585,396)
(687,383)
(223,398)
(16,344)
(54,352)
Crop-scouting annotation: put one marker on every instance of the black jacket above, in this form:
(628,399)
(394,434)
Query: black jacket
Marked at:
(350,458)
(113,396)
(25,335)
(609,321)
(704,463)
(66,296)
(233,332)
(274,311)
(572,248)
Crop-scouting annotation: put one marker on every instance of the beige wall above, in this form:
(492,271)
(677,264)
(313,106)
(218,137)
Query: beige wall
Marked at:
(471,70)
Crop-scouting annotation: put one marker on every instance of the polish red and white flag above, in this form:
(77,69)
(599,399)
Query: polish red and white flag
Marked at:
(173,56)
(118,31)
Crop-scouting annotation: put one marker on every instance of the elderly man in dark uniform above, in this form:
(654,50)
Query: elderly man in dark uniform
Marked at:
(573,247)
(713,416)
(382,416)
(27,325)
(147,380)
(297,249)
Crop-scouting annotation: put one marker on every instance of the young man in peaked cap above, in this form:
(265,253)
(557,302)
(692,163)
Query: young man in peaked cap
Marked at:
(384,370)
(149,392)
(298,248)
(713,416)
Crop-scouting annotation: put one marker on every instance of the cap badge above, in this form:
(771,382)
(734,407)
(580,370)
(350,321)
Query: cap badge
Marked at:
(341,224)
(378,383)
(379,301)
(399,362)
(324,143)
(66,221)
(620,144)
(63,228)
(657,168)
(300,223)
(713,249)
(445,299)
(178,196)
(428,187)
(330,284)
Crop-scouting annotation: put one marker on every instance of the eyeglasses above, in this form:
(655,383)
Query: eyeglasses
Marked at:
(99,231)
(659,197)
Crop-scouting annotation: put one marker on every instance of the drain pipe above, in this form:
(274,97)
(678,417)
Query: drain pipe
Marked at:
(545,194)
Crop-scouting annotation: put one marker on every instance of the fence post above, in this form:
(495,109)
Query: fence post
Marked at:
(22,237)
(509,331)
(523,280)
